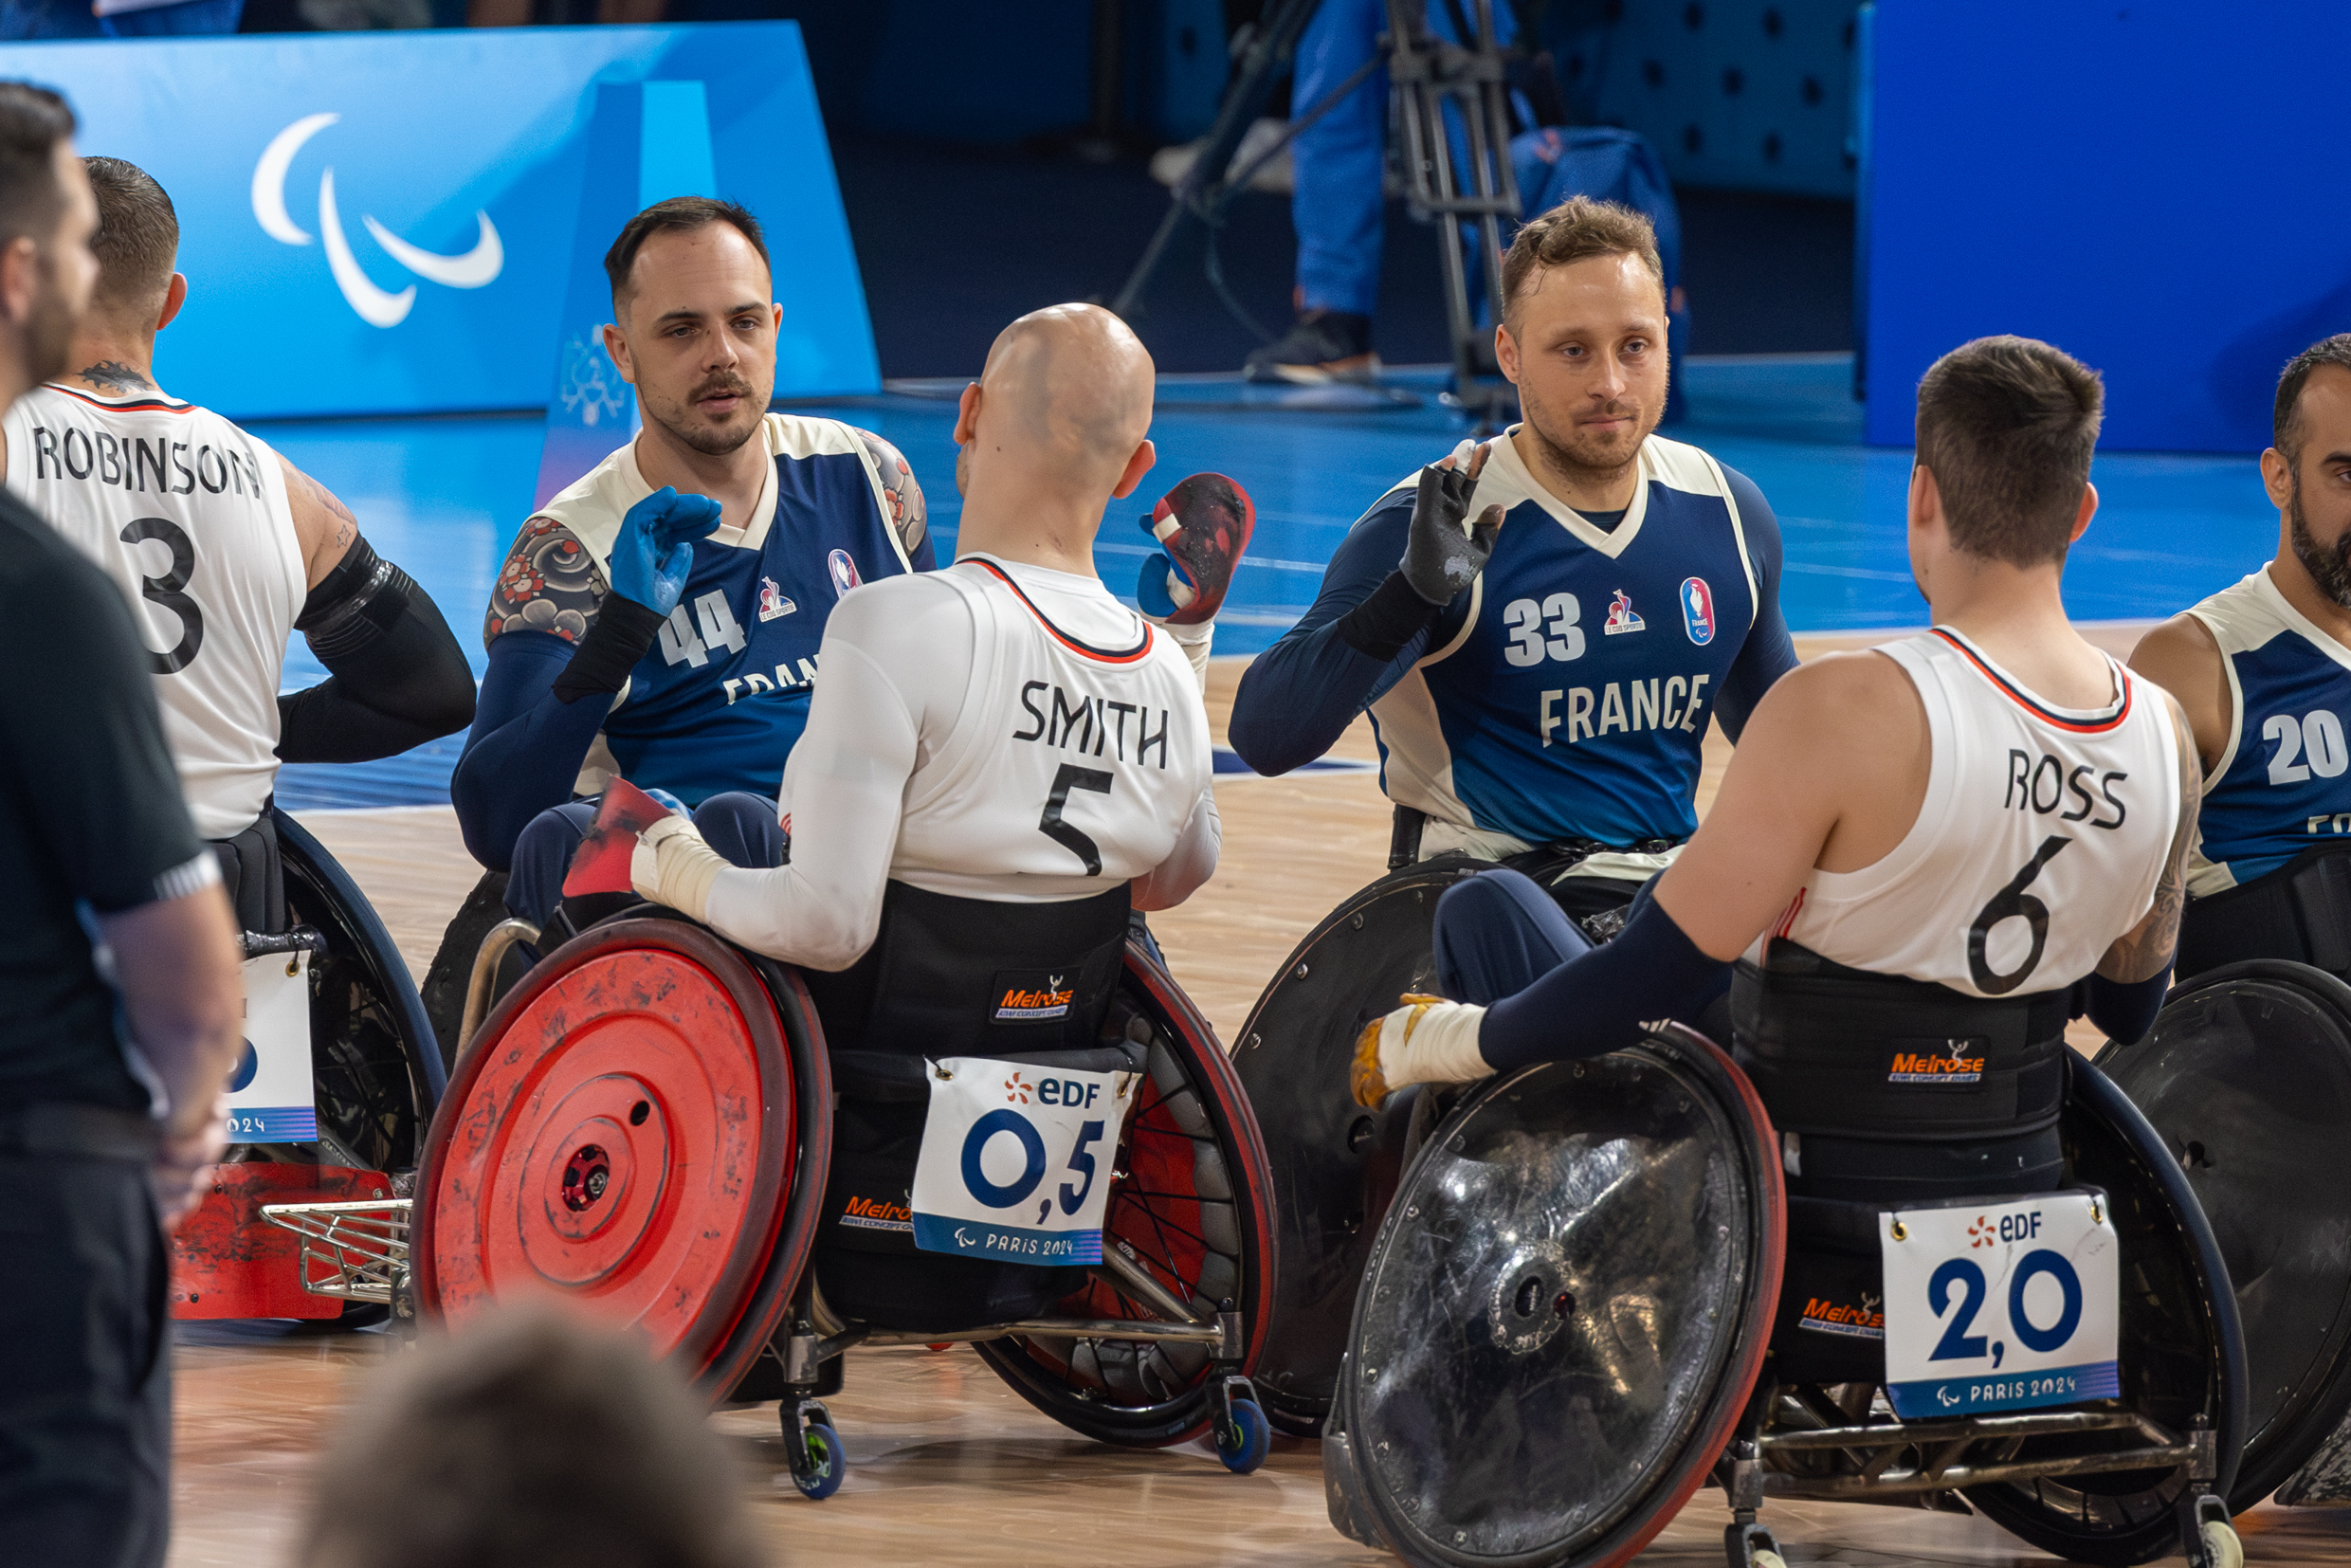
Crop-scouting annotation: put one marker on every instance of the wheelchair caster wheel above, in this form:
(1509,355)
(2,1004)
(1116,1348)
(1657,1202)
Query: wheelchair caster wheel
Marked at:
(1770,1560)
(1243,1437)
(2222,1549)
(819,1464)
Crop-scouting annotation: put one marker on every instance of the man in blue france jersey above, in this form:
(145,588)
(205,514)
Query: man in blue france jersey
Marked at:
(2263,668)
(1544,677)
(660,619)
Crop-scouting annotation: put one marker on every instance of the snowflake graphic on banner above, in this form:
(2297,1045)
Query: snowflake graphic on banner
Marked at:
(591,385)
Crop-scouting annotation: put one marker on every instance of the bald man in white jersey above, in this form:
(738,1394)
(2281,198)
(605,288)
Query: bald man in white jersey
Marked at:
(1927,857)
(1001,759)
(223,549)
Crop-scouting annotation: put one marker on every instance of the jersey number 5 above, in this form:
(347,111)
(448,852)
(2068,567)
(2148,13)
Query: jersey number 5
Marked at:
(169,590)
(1068,836)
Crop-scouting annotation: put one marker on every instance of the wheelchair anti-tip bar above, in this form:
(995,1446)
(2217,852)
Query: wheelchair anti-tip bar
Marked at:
(353,1251)
(1941,1445)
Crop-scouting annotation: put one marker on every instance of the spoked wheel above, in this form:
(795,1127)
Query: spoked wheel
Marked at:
(1189,1207)
(2183,1355)
(627,1133)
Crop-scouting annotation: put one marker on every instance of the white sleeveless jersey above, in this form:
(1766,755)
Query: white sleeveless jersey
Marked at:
(1070,768)
(187,514)
(2040,841)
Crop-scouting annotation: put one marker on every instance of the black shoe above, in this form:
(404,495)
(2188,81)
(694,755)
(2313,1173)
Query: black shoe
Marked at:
(1324,346)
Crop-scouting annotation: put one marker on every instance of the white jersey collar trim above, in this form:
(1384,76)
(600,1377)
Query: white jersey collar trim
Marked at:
(2317,635)
(1611,543)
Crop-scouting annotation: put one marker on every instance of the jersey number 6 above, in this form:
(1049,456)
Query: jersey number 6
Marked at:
(2013,902)
(1069,837)
(170,589)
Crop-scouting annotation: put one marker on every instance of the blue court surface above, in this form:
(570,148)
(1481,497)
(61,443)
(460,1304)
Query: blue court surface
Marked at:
(444,497)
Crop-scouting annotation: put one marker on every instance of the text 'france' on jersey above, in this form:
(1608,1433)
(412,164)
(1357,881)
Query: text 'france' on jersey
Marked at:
(2284,784)
(721,698)
(1571,702)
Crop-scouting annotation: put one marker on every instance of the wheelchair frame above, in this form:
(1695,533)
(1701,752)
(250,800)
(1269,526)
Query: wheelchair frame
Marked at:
(361,1252)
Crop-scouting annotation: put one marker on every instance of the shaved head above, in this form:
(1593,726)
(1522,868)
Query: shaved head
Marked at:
(1072,384)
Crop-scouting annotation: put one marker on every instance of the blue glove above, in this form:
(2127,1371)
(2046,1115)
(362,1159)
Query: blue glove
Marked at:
(654,554)
(1153,591)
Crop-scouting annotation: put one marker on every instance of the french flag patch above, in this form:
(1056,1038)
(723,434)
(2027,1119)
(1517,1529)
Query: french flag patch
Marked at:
(1698,609)
(845,572)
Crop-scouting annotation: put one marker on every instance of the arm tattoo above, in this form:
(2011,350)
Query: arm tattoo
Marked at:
(113,375)
(346,526)
(903,507)
(2146,951)
(549,583)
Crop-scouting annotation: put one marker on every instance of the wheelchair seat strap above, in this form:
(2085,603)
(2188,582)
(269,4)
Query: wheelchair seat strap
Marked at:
(2300,911)
(253,875)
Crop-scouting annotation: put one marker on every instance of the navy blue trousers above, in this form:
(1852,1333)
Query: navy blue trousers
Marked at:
(1497,933)
(741,825)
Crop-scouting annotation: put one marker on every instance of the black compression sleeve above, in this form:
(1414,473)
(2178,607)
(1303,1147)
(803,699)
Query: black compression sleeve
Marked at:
(398,677)
(1391,616)
(2126,1009)
(624,630)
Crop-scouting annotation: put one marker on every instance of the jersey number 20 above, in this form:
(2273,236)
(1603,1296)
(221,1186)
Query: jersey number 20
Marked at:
(169,590)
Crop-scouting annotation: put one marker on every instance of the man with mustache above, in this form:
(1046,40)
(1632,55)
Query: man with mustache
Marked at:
(660,619)
(2263,668)
(1542,681)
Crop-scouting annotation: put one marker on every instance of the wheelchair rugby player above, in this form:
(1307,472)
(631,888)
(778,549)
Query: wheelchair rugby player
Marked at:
(1912,1207)
(338,1075)
(999,765)
(2246,1073)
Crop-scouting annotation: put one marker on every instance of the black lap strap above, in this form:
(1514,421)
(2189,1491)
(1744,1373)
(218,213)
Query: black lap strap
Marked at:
(2300,911)
(1839,1052)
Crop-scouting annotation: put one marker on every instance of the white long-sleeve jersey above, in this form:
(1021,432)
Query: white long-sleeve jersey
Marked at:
(993,731)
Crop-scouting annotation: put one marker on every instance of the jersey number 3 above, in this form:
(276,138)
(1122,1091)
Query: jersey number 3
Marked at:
(1069,835)
(169,590)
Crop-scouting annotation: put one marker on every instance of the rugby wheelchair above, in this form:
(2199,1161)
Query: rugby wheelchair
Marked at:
(375,1080)
(1334,1164)
(652,1124)
(1567,1326)
(2246,1078)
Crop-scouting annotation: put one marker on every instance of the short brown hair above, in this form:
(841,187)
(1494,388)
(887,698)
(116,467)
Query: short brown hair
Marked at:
(32,121)
(530,1440)
(678,216)
(1577,229)
(2007,427)
(2286,414)
(137,237)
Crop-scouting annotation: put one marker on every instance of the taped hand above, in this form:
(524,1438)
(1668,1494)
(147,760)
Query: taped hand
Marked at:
(1204,525)
(1444,552)
(654,554)
(673,865)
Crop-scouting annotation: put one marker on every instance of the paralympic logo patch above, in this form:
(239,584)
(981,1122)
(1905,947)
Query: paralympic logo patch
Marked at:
(1698,609)
(1620,615)
(843,571)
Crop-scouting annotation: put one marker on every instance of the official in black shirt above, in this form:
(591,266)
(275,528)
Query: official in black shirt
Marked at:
(119,997)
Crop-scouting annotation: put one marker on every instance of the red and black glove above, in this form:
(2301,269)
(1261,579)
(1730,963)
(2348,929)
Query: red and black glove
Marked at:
(1203,526)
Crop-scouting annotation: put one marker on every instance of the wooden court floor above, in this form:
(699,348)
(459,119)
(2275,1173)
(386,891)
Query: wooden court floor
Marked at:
(947,1465)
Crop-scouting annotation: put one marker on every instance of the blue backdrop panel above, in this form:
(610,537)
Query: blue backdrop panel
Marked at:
(2137,184)
(384,223)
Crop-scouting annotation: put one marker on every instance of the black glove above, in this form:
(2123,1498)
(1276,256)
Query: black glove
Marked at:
(1442,556)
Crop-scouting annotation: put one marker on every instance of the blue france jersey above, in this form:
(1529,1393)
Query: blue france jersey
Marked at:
(719,701)
(2284,784)
(1570,698)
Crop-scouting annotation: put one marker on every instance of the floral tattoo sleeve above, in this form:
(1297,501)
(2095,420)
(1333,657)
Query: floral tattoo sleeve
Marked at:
(902,505)
(549,583)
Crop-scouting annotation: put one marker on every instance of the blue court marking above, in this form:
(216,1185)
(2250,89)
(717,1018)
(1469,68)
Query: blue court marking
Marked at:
(444,497)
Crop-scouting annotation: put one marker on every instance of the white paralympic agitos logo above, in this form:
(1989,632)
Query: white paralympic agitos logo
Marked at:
(378,307)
